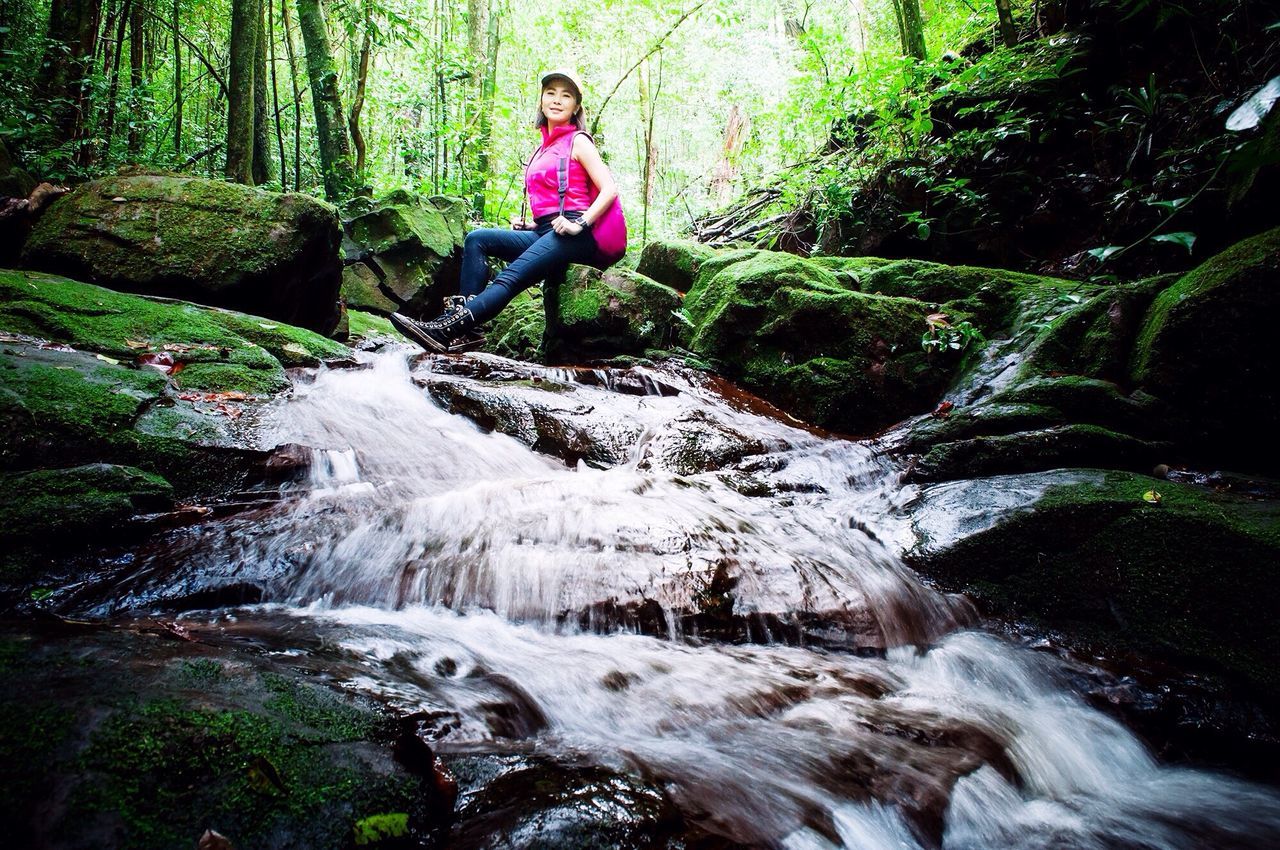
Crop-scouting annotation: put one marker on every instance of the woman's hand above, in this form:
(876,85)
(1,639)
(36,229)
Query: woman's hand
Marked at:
(566,227)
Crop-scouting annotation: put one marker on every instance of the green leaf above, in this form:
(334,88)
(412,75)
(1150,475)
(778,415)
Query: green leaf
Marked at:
(1106,253)
(923,230)
(1184,238)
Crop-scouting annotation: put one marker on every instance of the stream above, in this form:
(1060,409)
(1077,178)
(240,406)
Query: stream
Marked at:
(678,585)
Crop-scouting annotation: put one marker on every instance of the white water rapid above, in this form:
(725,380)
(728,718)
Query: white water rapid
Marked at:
(453,569)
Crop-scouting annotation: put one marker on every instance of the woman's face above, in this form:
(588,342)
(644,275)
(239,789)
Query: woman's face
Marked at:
(558,102)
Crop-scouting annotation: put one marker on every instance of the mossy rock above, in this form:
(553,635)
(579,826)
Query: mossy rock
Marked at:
(368,331)
(1101,554)
(517,331)
(790,330)
(611,312)
(15,182)
(125,327)
(673,262)
(131,744)
(74,387)
(216,243)
(1203,349)
(46,509)
(415,243)
(1032,450)
(362,290)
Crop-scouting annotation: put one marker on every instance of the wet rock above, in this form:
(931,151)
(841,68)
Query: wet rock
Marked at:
(410,247)
(547,418)
(208,241)
(695,443)
(362,290)
(1155,565)
(120,739)
(1202,350)
(93,501)
(521,801)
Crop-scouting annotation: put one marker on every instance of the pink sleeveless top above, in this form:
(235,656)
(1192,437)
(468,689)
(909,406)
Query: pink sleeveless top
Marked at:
(541,180)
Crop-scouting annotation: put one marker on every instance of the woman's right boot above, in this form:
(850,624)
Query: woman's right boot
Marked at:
(446,333)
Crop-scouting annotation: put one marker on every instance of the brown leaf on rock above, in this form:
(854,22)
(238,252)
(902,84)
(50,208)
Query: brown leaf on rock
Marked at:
(214,841)
(943,410)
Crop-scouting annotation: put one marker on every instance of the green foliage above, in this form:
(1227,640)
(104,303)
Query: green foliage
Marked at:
(943,336)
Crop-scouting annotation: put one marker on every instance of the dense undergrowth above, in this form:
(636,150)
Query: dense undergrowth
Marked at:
(1098,145)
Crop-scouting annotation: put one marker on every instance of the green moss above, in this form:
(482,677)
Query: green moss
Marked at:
(378,828)
(125,327)
(675,263)
(317,709)
(370,329)
(1174,575)
(201,672)
(518,330)
(33,733)
(167,771)
(95,498)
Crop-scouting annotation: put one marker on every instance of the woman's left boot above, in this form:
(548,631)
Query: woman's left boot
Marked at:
(444,334)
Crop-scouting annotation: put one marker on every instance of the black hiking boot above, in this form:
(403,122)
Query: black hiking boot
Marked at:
(473,338)
(447,333)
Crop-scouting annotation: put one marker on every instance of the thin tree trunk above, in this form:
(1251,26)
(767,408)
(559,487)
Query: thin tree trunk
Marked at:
(113,84)
(245,15)
(357,102)
(135,80)
(912,30)
(275,87)
(1004,13)
(73,32)
(487,89)
(177,81)
(646,110)
(264,170)
(297,97)
(335,153)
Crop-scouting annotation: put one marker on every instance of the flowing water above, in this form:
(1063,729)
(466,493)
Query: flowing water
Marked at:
(449,571)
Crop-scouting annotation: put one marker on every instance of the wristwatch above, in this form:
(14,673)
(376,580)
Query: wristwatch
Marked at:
(586,225)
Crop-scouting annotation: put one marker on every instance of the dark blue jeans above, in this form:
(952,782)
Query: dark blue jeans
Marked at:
(532,255)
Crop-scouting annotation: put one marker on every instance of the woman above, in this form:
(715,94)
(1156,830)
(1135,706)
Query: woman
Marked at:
(559,235)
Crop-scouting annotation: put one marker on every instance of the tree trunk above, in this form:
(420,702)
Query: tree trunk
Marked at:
(488,87)
(912,30)
(275,88)
(113,85)
(335,153)
(297,97)
(1004,13)
(135,80)
(245,15)
(357,102)
(73,31)
(177,82)
(264,170)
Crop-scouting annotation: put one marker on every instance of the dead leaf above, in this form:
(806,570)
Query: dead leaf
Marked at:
(1153,496)
(135,344)
(214,841)
(267,327)
(938,320)
(264,777)
(161,361)
(105,359)
(118,200)
(180,632)
(294,348)
(943,410)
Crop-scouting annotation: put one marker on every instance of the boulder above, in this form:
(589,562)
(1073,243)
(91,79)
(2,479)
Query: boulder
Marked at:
(217,243)
(788,329)
(407,255)
(1203,349)
(92,376)
(1152,565)
(121,738)
(672,262)
(93,500)
(611,312)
